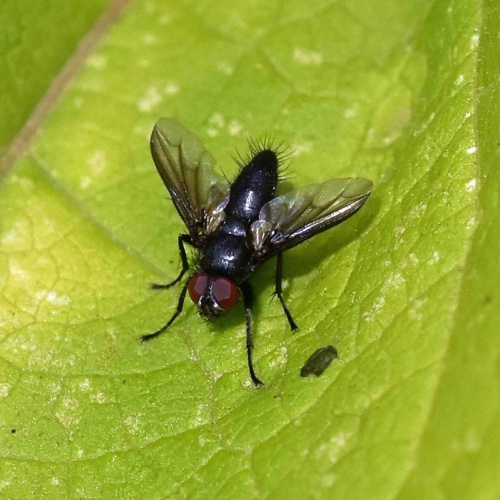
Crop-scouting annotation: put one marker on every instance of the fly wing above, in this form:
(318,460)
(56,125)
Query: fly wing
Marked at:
(298,215)
(187,169)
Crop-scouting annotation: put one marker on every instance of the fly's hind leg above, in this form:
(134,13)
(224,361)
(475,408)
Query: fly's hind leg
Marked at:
(248,301)
(278,291)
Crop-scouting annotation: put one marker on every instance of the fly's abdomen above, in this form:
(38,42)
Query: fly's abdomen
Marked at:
(254,186)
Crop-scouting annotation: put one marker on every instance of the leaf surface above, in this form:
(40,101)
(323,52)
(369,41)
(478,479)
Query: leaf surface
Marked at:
(403,93)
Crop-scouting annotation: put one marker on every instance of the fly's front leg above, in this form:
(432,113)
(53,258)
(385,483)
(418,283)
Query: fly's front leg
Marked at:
(278,291)
(180,305)
(248,301)
(183,238)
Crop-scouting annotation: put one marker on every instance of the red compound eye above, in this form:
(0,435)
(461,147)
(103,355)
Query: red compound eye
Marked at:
(225,293)
(197,286)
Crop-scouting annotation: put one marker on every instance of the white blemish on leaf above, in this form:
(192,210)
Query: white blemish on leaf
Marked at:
(280,359)
(132,423)
(307,57)
(111,331)
(151,98)
(436,257)
(4,484)
(24,183)
(71,404)
(86,385)
(68,418)
(202,440)
(97,61)
(171,88)
(417,211)
(201,415)
(40,295)
(149,39)
(19,233)
(301,148)
(424,125)
(225,68)
(393,281)
(212,132)
(415,312)
(472,442)
(55,481)
(54,388)
(26,346)
(99,398)
(4,390)
(474,41)
(472,224)
(398,232)
(379,304)
(217,120)
(460,79)
(328,480)
(471,150)
(97,162)
(247,383)
(234,127)
(333,448)
(58,300)
(350,112)
(413,258)
(471,185)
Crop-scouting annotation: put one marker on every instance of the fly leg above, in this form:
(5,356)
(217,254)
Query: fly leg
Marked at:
(180,305)
(248,300)
(183,238)
(278,291)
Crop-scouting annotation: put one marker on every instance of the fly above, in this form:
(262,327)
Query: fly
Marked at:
(235,227)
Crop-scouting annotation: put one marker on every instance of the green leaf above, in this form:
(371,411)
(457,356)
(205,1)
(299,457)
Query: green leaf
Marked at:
(403,93)
(32,51)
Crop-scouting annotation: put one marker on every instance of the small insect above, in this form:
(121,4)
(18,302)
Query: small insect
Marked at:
(319,361)
(235,227)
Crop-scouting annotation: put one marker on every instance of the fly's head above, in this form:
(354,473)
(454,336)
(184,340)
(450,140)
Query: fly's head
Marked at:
(214,295)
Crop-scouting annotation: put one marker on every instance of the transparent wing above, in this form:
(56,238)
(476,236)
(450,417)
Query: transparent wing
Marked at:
(187,169)
(298,215)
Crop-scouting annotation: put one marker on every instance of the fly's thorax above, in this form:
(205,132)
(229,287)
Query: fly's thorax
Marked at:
(234,227)
(229,255)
